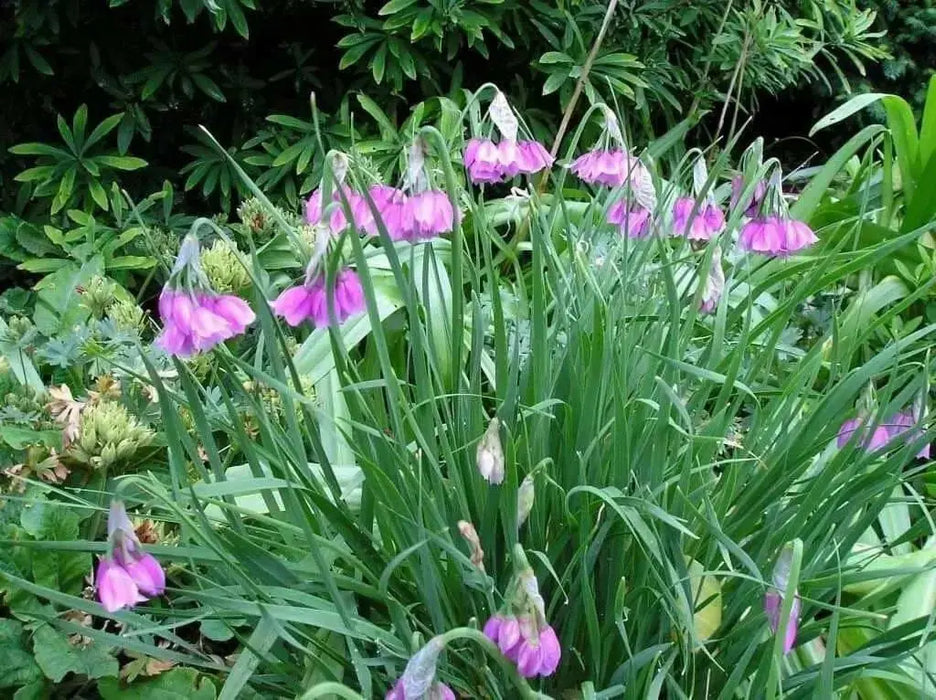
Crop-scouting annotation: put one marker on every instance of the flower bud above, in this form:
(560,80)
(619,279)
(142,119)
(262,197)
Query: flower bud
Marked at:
(490,454)
(468,531)
(525,495)
(773,601)
(419,675)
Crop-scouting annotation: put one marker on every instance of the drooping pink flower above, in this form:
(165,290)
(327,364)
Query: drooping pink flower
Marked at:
(381,195)
(532,157)
(612,168)
(337,219)
(875,441)
(482,159)
(432,214)
(127,575)
(489,162)
(773,600)
(905,424)
(492,627)
(232,309)
(708,221)
(752,204)
(116,589)
(533,646)
(147,573)
(632,219)
(776,236)
(310,302)
(194,322)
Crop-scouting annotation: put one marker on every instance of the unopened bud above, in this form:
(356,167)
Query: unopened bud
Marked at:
(490,455)
(421,670)
(525,495)
(468,531)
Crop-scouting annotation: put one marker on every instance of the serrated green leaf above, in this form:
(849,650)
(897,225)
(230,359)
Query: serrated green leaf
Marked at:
(17,665)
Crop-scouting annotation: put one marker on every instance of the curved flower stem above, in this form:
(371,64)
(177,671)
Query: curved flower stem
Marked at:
(525,691)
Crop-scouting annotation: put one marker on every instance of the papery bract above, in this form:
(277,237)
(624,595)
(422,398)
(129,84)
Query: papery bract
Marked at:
(714,285)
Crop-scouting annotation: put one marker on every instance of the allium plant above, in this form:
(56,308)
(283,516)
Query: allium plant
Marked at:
(663,445)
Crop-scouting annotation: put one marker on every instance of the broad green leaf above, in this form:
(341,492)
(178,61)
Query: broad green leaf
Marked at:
(103,129)
(175,684)
(21,365)
(16,660)
(928,126)
(855,104)
(121,162)
(395,6)
(57,657)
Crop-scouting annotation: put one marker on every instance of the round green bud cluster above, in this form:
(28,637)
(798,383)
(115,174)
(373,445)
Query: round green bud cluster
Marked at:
(259,222)
(225,267)
(25,404)
(20,331)
(108,435)
(127,316)
(98,295)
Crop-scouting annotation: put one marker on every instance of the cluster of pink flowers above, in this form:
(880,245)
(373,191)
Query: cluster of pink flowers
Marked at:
(708,222)
(195,321)
(412,217)
(904,423)
(532,646)
(632,219)
(309,301)
(521,632)
(609,167)
(194,317)
(126,575)
(776,235)
(489,162)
